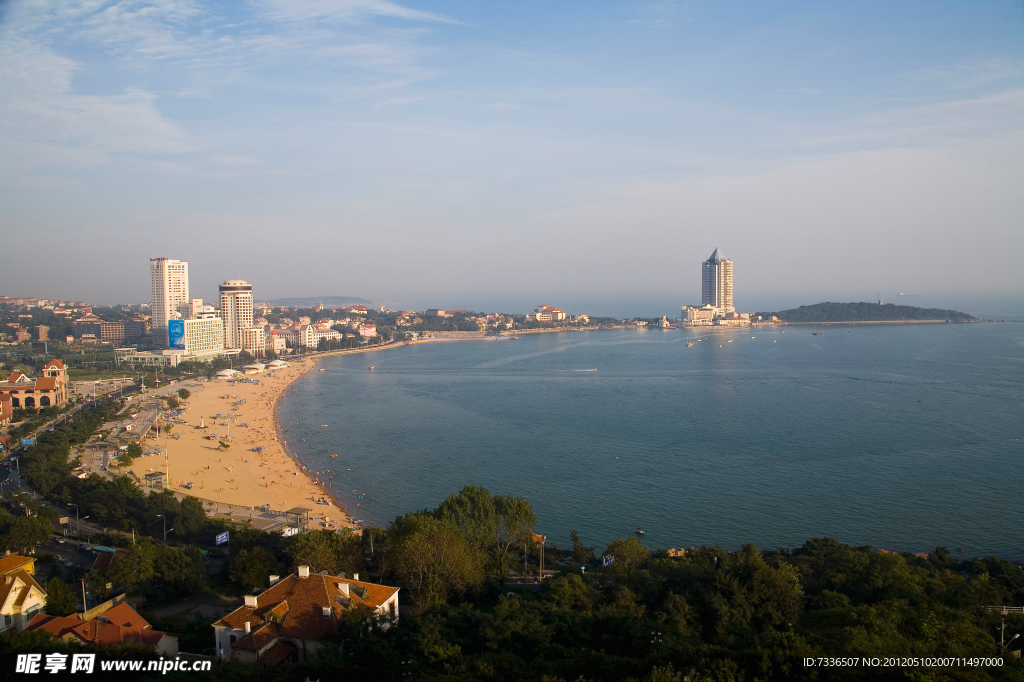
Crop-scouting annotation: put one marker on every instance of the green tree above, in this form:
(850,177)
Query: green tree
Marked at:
(128,456)
(184,393)
(191,517)
(324,550)
(173,403)
(181,571)
(517,522)
(130,570)
(252,567)
(472,509)
(433,557)
(60,600)
(26,532)
(629,552)
(581,554)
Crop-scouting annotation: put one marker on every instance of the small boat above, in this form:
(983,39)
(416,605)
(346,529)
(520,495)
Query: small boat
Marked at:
(324,425)
(729,341)
(817,333)
(639,531)
(688,345)
(321,369)
(960,549)
(371,366)
(333,455)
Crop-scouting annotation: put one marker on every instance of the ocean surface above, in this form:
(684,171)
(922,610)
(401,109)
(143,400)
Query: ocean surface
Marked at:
(903,437)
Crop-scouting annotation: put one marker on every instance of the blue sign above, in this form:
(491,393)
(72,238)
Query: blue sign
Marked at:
(28,441)
(608,559)
(222,538)
(176,334)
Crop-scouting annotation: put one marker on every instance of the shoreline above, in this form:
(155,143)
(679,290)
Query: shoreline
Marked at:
(294,456)
(260,472)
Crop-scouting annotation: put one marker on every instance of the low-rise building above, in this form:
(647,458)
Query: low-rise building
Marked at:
(277,343)
(545,313)
(21,597)
(107,624)
(6,410)
(699,316)
(51,389)
(368,330)
(286,621)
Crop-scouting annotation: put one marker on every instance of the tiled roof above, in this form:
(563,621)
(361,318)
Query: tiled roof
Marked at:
(238,618)
(29,583)
(117,625)
(258,638)
(306,598)
(54,364)
(55,625)
(276,654)
(12,563)
(96,631)
(46,384)
(125,615)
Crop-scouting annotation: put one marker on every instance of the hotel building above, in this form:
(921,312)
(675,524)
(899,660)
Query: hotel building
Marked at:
(204,335)
(716,283)
(169,288)
(236,311)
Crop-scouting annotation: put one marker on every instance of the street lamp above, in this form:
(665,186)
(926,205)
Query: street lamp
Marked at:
(76,518)
(165,527)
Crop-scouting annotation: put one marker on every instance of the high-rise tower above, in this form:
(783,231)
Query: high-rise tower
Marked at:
(236,311)
(169,288)
(716,282)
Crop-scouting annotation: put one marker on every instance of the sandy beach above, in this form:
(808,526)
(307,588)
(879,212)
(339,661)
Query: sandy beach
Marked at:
(239,474)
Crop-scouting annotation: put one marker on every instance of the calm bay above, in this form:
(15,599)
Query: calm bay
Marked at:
(903,437)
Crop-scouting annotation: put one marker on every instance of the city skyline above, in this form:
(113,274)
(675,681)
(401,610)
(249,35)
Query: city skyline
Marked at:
(617,142)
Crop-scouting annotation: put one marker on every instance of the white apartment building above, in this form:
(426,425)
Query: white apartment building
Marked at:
(193,308)
(235,310)
(204,335)
(716,283)
(703,316)
(254,340)
(545,313)
(169,289)
(309,336)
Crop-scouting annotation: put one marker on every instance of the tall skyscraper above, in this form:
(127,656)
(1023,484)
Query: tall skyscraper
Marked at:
(236,311)
(716,282)
(169,287)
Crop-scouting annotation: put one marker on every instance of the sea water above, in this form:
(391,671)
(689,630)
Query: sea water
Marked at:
(902,437)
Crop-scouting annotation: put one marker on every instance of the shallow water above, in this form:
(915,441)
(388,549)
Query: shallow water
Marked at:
(897,436)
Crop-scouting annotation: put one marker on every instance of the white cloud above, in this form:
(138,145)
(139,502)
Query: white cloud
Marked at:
(236,161)
(44,122)
(343,10)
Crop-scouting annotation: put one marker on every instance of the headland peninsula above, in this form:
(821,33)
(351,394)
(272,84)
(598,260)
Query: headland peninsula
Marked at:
(866,312)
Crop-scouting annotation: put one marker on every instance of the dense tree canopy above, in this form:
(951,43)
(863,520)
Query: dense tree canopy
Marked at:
(865,312)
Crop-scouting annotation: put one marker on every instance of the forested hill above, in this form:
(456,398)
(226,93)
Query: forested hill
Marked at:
(865,312)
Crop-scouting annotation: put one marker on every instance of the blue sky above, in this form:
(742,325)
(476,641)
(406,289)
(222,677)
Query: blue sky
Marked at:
(493,155)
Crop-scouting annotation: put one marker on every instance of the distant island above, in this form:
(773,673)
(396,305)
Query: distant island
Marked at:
(865,312)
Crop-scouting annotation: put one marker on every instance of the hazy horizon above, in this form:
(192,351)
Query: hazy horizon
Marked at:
(590,156)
